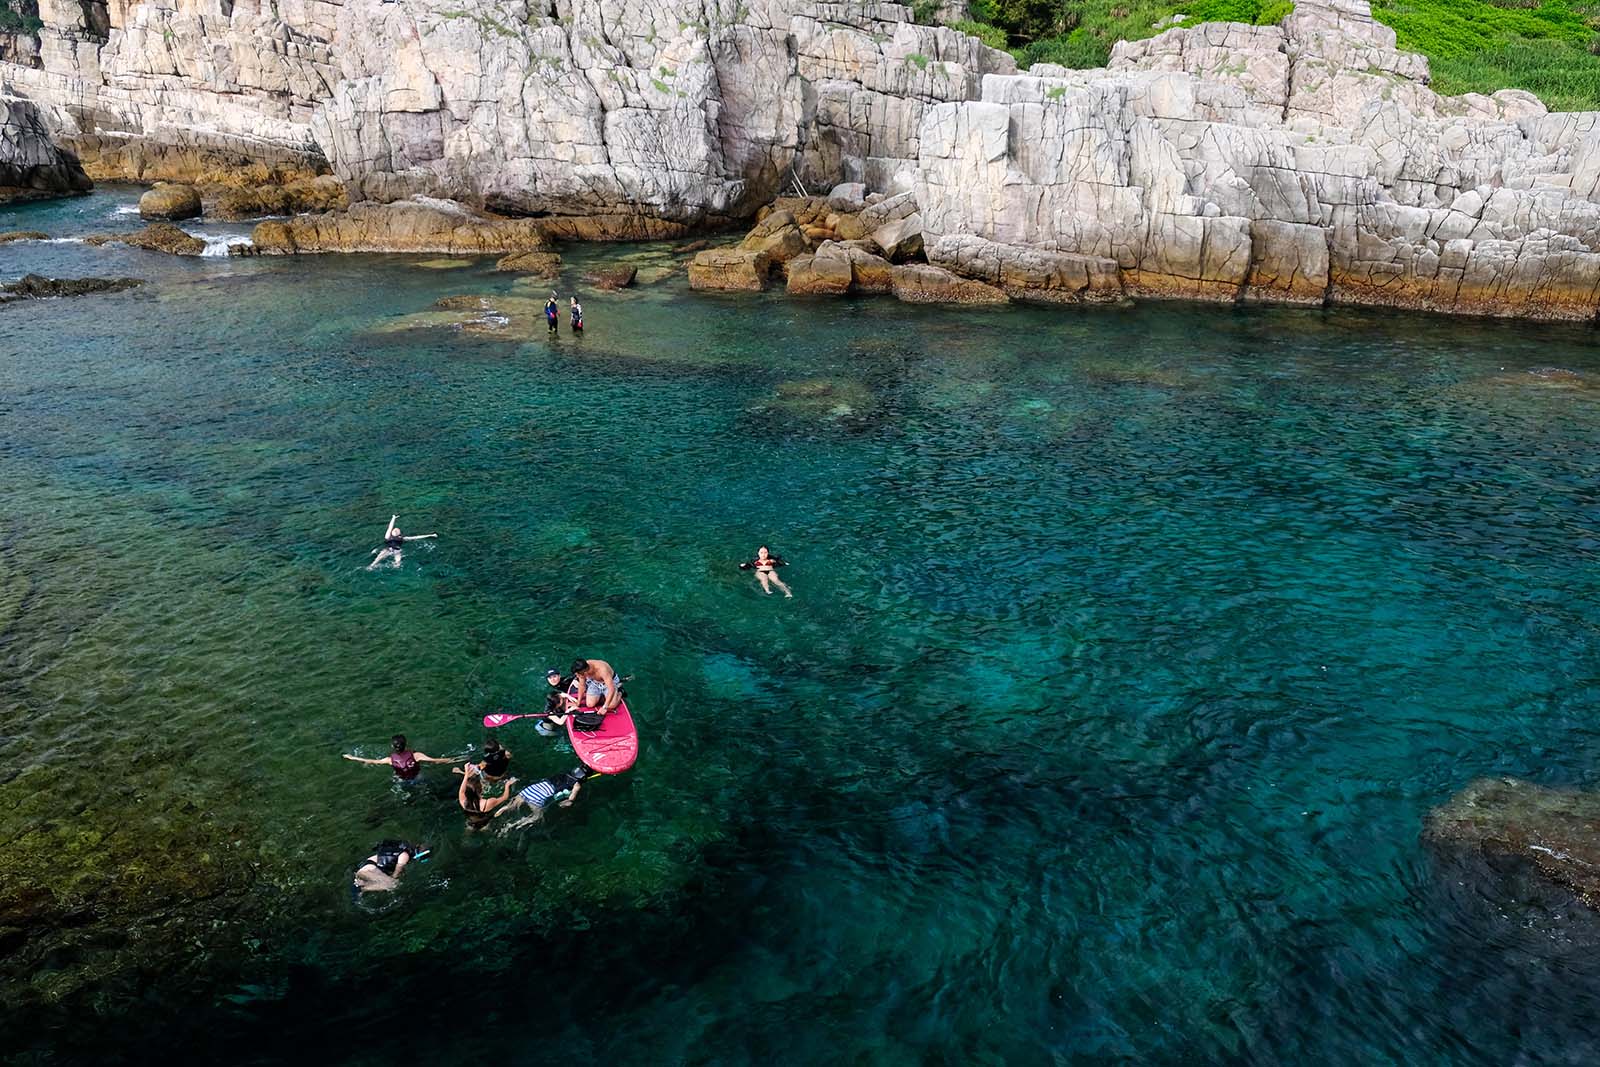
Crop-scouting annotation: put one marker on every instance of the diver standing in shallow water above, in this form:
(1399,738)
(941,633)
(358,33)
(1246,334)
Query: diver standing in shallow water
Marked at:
(552,313)
(393,545)
(577,316)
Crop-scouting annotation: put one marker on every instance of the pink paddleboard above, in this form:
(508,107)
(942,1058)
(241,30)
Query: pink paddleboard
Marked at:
(610,749)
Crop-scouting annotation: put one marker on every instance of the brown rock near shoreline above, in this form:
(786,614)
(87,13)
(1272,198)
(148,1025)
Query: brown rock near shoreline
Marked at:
(921,283)
(819,275)
(22,235)
(157,237)
(731,269)
(170,202)
(324,193)
(417,225)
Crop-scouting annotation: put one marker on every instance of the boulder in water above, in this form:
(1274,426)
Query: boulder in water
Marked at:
(1557,831)
(729,269)
(38,287)
(170,201)
(156,237)
(22,235)
(619,277)
(539,264)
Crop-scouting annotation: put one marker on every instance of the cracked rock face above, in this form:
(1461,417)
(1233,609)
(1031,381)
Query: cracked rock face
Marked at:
(1305,163)
(31,166)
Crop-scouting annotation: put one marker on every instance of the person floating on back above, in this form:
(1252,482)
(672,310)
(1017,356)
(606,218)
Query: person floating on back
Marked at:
(393,545)
(577,316)
(407,763)
(381,871)
(540,794)
(766,567)
(552,313)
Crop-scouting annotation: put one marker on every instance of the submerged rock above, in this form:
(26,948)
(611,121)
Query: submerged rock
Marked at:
(1555,830)
(538,264)
(169,202)
(420,224)
(828,399)
(157,237)
(619,277)
(38,287)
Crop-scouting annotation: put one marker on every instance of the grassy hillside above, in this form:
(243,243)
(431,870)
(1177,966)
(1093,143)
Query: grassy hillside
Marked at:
(1545,46)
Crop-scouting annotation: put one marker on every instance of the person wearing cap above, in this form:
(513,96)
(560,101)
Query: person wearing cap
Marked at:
(558,704)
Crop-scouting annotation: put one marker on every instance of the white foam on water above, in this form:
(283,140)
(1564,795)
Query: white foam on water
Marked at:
(58,241)
(218,244)
(126,209)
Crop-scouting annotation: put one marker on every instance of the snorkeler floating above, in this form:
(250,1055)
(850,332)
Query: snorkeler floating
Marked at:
(381,871)
(393,544)
(406,762)
(766,567)
(540,794)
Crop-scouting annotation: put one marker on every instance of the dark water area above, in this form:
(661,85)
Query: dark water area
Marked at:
(1129,648)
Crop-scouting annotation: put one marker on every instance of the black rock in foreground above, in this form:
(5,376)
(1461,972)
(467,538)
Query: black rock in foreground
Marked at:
(38,287)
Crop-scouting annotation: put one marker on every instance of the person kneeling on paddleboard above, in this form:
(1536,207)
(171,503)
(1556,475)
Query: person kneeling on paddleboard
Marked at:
(381,871)
(542,793)
(598,687)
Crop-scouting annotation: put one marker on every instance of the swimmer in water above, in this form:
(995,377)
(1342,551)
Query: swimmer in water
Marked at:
(766,567)
(577,316)
(545,791)
(552,313)
(381,871)
(393,543)
(557,704)
(407,763)
(478,808)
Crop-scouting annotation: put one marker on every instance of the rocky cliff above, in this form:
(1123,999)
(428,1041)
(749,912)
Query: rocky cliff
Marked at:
(1303,163)
(31,165)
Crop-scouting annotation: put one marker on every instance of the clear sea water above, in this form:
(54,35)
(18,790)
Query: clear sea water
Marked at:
(1129,648)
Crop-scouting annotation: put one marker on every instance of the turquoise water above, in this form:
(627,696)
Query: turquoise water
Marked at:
(1129,648)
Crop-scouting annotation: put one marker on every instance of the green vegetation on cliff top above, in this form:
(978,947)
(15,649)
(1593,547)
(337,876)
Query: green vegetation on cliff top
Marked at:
(1545,46)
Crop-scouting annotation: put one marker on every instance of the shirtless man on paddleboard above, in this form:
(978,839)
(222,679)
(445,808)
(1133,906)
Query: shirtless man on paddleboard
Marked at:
(597,684)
